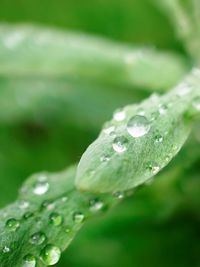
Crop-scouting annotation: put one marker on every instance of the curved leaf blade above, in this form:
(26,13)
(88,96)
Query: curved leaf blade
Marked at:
(140,140)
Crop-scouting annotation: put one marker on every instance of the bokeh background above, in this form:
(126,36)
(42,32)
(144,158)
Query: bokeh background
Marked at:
(159,225)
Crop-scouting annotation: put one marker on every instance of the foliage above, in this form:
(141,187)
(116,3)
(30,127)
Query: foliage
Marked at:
(56,90)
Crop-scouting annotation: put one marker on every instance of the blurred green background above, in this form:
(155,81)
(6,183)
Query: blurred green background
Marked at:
(159,226)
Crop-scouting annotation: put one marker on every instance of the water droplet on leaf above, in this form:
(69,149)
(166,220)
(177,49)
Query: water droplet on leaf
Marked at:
(41,188)
(50,255)
(12,224)
(138,126)
(120,144)
(29,261)
(56,219)
(38,238)
(95,204)
(119,115)
(6,249)
(78,217)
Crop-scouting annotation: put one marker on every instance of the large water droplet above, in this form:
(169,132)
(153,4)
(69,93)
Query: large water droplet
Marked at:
(55,219)
(120,144)
(38,238)
(41,188)
(50,255)
(95,204)
(78,217)
(12,224)
(29,261)
(138,126)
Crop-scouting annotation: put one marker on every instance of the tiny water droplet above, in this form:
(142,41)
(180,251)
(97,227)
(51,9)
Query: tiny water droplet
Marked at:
(38,238)
(109,130)
(104,158)
(24,204)
(78,217)
(158,138)
(50,255)
(67,230)
(41,188)
(27,215)
(153,167)
(95,204)
(138,126)
(196,103)
(118,195)
(163,109)
(48,205)
(154,115)
(119,115)
(64,199)
(12,224)
(6,249)
(120,144)
(55,219)
(29,261)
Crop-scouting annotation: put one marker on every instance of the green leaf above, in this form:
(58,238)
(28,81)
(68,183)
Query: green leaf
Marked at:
(45,219)
(140,140)
(33,51)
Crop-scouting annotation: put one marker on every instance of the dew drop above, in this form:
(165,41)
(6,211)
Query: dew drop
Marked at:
(64,199)
(119,115)
(29,261)
(163,109)
(55,219)
(41,188)
(67,230)
(95,205)
(120,144)
(50,255)
(48,205)
(38,238)
(104,158)
(6,249)
(109,130)
(158,138)
(27,215)
(24,204)
(118,195)
(138,126)
(12,224)
(78,217)
(153,167)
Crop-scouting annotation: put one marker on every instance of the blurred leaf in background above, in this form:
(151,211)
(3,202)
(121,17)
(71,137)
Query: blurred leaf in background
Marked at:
(47,122)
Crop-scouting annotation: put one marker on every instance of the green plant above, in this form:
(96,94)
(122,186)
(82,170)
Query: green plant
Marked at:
(140,140)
